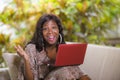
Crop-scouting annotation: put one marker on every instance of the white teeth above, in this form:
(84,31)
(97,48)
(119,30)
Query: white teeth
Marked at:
(51,36)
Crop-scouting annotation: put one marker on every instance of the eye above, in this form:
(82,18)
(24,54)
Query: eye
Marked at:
(55,27)
(44,28)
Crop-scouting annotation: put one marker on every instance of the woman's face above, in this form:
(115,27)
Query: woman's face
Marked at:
(50,32)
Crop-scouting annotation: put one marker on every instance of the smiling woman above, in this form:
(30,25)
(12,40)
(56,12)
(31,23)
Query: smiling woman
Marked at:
(40,53)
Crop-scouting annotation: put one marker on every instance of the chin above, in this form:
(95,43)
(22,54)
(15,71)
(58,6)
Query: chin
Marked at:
(52,43)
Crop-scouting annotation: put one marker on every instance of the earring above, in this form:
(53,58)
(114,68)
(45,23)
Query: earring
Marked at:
(60,38)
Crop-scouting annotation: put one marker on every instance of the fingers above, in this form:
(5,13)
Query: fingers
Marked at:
(20,50)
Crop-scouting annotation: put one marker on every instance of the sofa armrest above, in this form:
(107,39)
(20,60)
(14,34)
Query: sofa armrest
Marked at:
(12,60)
(4,75)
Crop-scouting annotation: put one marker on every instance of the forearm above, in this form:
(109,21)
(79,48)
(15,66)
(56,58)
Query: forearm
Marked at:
(28,71)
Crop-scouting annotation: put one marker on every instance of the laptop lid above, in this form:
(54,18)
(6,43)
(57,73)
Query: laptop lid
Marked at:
(70,54)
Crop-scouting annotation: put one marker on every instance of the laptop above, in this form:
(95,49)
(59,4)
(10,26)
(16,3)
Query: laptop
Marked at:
(70,54)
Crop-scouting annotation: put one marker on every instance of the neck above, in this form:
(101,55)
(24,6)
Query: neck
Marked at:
(51,47)
(51,52)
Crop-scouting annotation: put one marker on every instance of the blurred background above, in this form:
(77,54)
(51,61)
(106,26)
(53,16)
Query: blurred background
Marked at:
(89,21)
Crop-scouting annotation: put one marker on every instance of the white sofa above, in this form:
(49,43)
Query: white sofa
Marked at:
(100,63)
(4,75)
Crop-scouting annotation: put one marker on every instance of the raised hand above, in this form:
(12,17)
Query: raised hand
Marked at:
(21,52)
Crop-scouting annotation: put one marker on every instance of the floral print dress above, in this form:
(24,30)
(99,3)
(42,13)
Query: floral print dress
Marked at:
(43,71)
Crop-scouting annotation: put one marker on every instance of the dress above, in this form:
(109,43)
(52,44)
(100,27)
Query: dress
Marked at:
(42,71)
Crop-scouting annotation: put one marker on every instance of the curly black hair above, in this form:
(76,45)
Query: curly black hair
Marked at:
(37,38)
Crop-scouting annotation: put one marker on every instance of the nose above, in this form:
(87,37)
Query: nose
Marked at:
(50,30)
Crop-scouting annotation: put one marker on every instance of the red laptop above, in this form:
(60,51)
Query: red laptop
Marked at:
(70,54)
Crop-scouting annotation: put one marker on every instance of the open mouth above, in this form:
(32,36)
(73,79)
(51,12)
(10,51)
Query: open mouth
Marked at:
(51,38)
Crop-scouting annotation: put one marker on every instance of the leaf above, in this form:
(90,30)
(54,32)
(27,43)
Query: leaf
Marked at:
(79,6)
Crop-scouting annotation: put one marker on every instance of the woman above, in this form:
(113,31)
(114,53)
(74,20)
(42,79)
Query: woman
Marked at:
(39,55)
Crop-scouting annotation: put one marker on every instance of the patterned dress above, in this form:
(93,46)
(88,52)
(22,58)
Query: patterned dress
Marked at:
(43,71)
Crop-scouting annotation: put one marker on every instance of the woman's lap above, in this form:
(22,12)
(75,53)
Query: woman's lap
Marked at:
(65,73)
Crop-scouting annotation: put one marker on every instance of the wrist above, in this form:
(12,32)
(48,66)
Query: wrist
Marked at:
(25,57)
